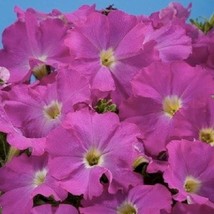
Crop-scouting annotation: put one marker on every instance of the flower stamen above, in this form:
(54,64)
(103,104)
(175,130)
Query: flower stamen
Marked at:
(207,135)
(107,58)
(53,110)
(191,184)
(126,208)
(39,177)
(41,71)
(171,104)
(93,157)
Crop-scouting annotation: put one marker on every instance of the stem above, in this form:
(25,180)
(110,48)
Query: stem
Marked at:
(3,145)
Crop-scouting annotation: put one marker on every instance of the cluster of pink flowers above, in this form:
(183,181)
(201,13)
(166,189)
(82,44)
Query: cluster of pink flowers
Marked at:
(106,112)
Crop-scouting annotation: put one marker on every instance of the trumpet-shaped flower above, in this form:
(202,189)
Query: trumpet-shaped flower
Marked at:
(36,48)
(163,93)
(92,149)
(189,173)
(22,179)
(37,110)
(104,52)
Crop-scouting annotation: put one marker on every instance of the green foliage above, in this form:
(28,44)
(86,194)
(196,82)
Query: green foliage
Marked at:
(206,25)
(104,105)
(4,149)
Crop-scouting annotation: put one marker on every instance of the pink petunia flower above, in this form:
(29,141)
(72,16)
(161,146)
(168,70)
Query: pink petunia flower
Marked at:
(163,93)
(22,179)
(38,109)
(33,50)
(200,124)
(104,53)
(140,199)
(190,171)
(93,149)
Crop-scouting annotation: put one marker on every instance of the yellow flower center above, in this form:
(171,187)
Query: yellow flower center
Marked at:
(207,135)
(107,58)
(39,177)
(41,71)
(140,160)
(171,104)
(191,184)
(93,157)
(127,208)
(53,110)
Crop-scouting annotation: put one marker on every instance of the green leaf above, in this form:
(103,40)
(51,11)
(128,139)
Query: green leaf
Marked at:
(212,20)
(4,148)
(104,105)
(205,25)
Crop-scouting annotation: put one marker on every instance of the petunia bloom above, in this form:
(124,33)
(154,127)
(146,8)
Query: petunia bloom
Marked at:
(189,173)
(36,110)
(104,53)
(163,92)
(92,150)
(200,124)
(22,179)
(33,50)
